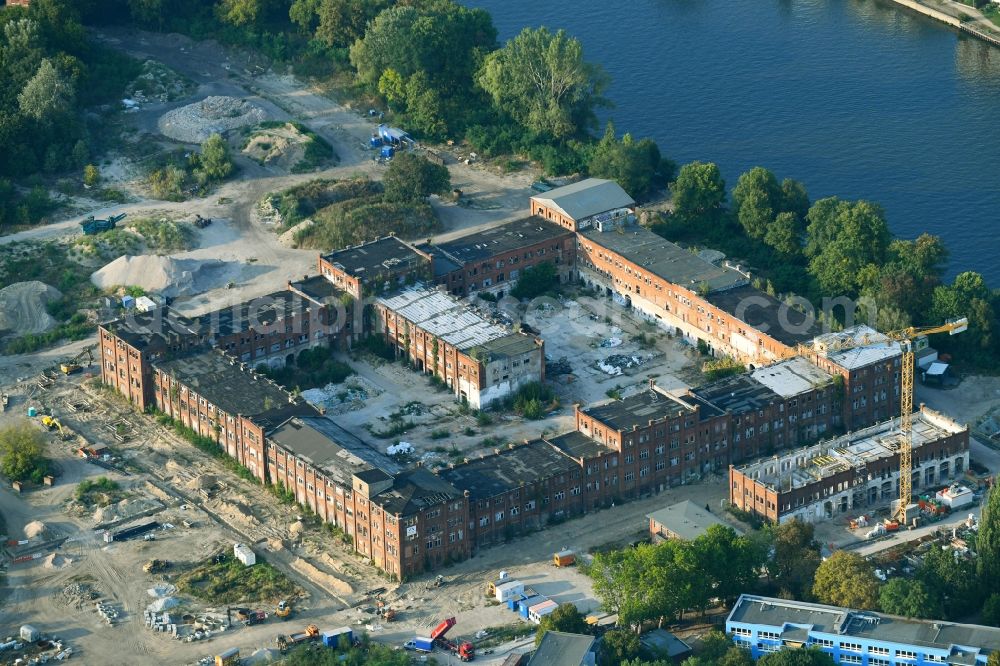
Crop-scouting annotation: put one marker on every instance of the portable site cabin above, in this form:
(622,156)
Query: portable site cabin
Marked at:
(332,638)
(955,496)
(244,555)
(509,590)
(387,153)
(230,657)
(525,604)
(538,611)
(564,558)
(394,136)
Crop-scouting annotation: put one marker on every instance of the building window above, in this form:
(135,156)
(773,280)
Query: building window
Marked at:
(850,659)
(768,635)
(821,642)
(741,631)
(875,661)
(906,654)
(878,650)
(850,647)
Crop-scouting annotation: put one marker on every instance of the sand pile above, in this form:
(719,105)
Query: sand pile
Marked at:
(162,604)
(161,590)
(213,115)
(127,508)
(34,529)
(165,275)
(22,307)
(283,146)
(56,561)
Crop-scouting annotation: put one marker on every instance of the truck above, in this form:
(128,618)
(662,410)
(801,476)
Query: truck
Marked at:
(284,642)
(129,532)
(230,657)
(420,644)
(465,651)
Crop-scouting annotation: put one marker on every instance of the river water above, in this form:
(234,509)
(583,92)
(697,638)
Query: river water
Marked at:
(856,98)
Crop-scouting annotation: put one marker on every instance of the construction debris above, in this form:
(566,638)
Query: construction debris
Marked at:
(615,364)
(213,115)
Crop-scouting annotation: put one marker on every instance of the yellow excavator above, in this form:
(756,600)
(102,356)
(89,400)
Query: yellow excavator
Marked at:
(52,423)
(73,365)
(284,610)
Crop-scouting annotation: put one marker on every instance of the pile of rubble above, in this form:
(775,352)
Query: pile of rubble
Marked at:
(615,364)
(78,594)
(213,115)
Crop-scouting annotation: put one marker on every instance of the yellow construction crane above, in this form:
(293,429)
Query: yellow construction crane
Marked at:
(905,337)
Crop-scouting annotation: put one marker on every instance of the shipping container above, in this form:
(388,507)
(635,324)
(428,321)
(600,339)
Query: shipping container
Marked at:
(522,608)
(420,644)
(332,638)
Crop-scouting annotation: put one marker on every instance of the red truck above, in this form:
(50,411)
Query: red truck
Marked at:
(465,651)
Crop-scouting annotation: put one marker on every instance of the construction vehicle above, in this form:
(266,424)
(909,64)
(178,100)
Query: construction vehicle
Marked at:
(155,566)
(491,586)
(73,365)
(465,651)
(906,338)
(202,222)
(92,226)
(284,642)
(52,423)
(385,612)
(283,610)
(245,616)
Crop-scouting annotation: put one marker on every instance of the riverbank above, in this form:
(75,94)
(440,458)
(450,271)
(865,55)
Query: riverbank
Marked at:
(957,15)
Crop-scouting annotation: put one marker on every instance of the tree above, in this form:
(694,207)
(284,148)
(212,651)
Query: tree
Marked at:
(48,94)
(564,618)
(988,544)
(908,598)
(993,659)
(618,646)
(846,579)
(699,189)
(731,561)
(22,449)
(951,581)
(795,560)
(757,199)
(991,610)
(636,165)
(216,163)
(411,176)
(733,656)
(536,280)
(342,22)
(543,82)
(91,175)
(843,238)
(801,657)
(794,198)
(968,296)
(783,233)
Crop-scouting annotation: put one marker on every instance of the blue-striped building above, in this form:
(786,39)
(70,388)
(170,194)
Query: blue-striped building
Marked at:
(863,638)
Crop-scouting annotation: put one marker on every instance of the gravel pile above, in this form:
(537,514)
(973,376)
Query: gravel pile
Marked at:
(34,529)
(213,115)
(164,275)
(22,307)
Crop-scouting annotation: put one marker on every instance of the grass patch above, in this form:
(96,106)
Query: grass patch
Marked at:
(318,151)
(164,236)
(396,427)
(223,579)
(440,433)
(101,491)
(313,368)
(297,203)
(534,400)
(723,367)
(357,220)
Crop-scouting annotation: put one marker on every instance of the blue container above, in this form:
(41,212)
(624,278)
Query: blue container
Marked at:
(32,412)
(128,302)
(388,152)
(525,604)
(375,141)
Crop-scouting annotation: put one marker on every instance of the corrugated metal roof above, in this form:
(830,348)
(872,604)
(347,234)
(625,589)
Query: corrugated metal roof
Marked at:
(587,198)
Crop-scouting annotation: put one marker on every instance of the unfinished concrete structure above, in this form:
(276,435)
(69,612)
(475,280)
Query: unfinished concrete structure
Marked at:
(851,473)
(480,361)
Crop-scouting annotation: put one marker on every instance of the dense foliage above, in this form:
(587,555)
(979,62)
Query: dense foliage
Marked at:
(22,452)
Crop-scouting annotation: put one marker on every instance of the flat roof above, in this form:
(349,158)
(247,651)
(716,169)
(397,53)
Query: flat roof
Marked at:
(414,490)
(666,260)
(501,239)
(253,313)
(737,394)
(686,519)
(444,317)
(586,198)
(386,253)
(767,314)
(797,468)
(872,347)
(792,377)
(574,443)
(950,637)
(559,648)
(509,469)
(319,289)
(512,344)
(337,452)
(163,324)
(222,380)
(665,643)
(638,410)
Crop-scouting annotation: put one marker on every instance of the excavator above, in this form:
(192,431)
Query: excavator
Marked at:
(73,365)
(52,423)
(284,609)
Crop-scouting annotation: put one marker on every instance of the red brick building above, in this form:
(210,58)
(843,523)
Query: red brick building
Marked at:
(481,362)
(517,490)
(589,203)
(850,473)
(376,267)
(492,260)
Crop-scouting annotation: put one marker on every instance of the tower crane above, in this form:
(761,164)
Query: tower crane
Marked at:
(905,337)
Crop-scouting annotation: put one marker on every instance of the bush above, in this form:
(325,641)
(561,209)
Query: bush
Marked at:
(22,452)
(533,400)
(536,280)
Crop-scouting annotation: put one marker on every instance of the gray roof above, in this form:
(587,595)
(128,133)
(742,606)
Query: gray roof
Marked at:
(589,197)
(509,469)
(655,254)
(686,519)
(637,411)
(737,394)
(501,239)
(374,257)
(559,648)
(949,637)
(872,347)
(335,451)
(766,313)
(221,380)
(574,443)
(415,490)
(792,377)
(665,644)
(162,327)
